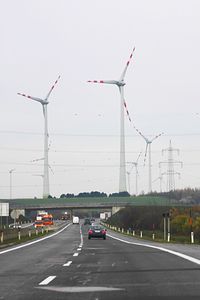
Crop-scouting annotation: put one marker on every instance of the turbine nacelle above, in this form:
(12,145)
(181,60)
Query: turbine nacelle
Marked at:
(149,141)
(121,83)
(43,102)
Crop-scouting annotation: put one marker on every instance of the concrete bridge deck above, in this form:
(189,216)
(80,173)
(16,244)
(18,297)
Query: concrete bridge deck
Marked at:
(87,202)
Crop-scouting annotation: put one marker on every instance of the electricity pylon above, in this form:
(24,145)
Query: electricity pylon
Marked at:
(170,173)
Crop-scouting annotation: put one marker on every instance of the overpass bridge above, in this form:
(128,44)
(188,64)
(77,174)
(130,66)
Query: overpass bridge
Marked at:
(113,203)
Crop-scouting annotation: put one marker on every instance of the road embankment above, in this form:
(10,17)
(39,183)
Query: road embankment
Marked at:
(14,236)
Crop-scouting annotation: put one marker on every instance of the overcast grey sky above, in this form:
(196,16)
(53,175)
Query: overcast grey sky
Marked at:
(83,40)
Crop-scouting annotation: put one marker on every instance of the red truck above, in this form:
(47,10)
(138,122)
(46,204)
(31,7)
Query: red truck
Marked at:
(43,220)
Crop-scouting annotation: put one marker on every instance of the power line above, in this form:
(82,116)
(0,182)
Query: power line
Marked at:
(93,135)
(84,151)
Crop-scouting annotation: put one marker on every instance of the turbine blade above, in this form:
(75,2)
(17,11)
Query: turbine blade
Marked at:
(138,156)
(140,133)
(127,112)
(38,175)
(32,98)
(145,155)
(132,168)
(27,96)
(126,67)
(52,88)
(38,159)
(49,146)
(104,81)
(51,169)
(155,179)
(157,136)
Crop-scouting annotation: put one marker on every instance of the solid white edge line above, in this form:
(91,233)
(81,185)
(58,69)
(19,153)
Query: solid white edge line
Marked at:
(36,241)
(68,264)
(184,256)
(47,280)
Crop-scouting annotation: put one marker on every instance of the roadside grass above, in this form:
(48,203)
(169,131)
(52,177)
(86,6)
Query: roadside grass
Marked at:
(23,238)
(158,236)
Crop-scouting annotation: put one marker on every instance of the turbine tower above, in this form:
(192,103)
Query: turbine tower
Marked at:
(44,103)
(148,145)
(10,172)
(120,84)
(160,178)
(134,164)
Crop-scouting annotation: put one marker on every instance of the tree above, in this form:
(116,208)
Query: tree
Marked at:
(120,194)
(180,224)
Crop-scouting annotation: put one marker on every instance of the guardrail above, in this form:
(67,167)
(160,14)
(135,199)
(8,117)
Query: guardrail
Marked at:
(9,235)
(154,236)
(12,236)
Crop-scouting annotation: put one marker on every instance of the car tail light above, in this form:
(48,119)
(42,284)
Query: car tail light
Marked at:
(90,231)
(103,231)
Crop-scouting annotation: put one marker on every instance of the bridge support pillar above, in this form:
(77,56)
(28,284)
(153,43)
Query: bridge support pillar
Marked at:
(115,209)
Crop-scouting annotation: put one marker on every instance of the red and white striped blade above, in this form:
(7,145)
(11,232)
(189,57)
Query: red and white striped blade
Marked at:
(145,155)
(127,64)
(103,81)
(127,112)
(52,88)
(147,144)
(138,156)
(30,97)
(157,136)
(140,133)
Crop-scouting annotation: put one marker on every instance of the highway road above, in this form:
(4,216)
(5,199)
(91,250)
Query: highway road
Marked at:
(69,266)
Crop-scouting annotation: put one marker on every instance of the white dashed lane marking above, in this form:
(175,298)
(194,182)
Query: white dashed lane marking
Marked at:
(75,254)
(81,289)
(47,280)
(68,264)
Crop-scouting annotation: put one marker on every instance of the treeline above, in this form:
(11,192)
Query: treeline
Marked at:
(183,220)
(139,217)
(94,194)
(187,195)
(184,195)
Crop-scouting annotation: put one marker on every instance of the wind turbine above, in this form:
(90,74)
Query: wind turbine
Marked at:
(120,84)
(128,176)
(39,159)
(44,103)
(10,172)
(160,178)
(134,164)
(148,145)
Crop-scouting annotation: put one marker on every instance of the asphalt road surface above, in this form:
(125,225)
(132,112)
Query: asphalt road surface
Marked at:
(69,266)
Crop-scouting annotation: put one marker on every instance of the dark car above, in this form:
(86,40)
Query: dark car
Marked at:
(97,231)
(87,222)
